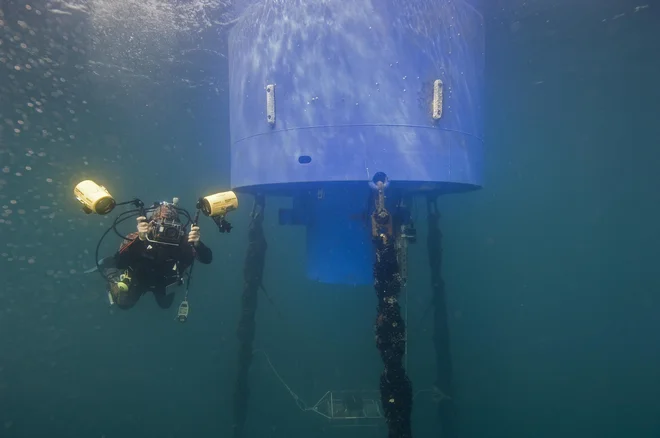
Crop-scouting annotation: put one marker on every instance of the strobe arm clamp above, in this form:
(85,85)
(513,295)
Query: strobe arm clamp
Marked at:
(139,205)
(137,202)
(223,225)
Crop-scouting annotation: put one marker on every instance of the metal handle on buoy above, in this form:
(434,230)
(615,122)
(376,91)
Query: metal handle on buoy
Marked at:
(437,99)
(270,104)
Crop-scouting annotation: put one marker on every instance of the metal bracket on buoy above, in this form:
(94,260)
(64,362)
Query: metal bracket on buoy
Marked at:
(270,104)
(437,99)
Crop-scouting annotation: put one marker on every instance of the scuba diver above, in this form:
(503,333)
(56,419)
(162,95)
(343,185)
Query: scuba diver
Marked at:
(161,252)
(154,258)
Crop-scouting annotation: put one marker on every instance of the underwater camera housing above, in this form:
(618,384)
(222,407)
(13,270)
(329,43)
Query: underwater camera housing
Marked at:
(166,232)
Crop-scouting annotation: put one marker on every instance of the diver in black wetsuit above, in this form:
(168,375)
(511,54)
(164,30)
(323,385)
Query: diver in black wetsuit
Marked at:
(153,259)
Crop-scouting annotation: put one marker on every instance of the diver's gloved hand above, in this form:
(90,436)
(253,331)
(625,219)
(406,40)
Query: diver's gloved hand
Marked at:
(193,236)
(142,227)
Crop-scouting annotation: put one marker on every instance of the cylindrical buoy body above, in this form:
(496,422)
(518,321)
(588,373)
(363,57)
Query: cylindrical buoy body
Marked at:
(324,94)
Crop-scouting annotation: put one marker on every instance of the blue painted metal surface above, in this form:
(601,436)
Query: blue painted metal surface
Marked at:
(353,95)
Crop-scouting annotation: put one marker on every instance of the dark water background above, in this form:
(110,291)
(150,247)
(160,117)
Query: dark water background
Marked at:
(551,269)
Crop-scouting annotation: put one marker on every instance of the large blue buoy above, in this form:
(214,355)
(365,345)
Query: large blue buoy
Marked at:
(324,94)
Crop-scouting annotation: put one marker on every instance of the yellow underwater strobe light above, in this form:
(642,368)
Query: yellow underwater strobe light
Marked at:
(218,204)
(94,198)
